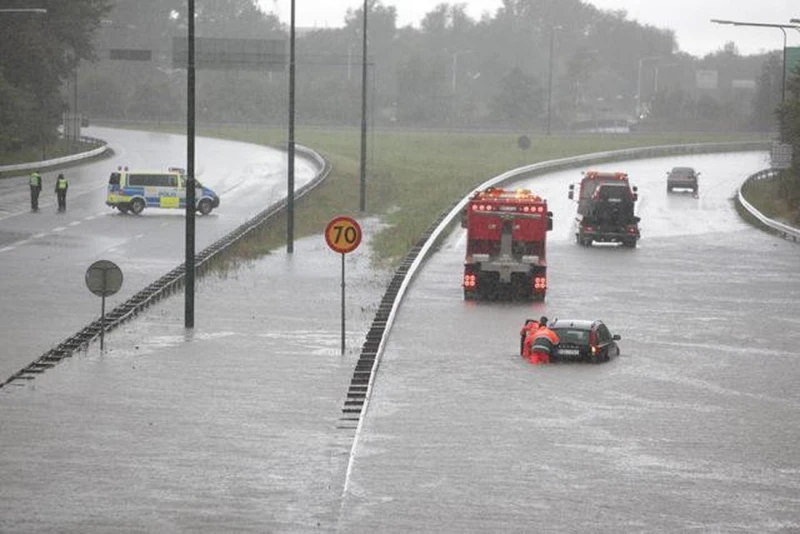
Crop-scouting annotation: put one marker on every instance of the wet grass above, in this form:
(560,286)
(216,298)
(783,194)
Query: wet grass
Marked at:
(413,176)
(59,149)
(777,198)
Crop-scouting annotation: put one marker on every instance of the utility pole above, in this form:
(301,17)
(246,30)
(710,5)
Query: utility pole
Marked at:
(190,182)
(290,164)
(362,205)
(550,78)
(782,28)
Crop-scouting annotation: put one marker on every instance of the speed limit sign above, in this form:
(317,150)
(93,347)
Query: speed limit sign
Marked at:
(343,234)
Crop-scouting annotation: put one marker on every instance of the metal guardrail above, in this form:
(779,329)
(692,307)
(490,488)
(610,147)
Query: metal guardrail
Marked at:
(167,284)
(782,229)
(60,161)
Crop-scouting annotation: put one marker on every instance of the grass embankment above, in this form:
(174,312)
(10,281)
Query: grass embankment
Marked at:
(59,149)
(778,198)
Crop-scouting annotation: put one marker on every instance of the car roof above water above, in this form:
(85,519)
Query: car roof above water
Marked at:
(682,170)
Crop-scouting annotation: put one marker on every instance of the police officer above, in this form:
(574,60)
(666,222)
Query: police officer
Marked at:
(61,192)
(544,343)
(36,188)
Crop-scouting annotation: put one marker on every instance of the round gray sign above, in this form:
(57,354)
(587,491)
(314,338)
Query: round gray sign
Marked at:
(103,278)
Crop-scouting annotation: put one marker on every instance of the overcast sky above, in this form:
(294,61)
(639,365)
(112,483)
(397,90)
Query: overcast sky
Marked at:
(688,18)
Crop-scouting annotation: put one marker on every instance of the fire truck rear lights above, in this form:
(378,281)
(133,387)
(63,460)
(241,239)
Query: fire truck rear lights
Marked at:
(469,280)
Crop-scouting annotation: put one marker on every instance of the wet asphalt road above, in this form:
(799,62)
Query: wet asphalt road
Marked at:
(234,426)
(44,255)
(693,428)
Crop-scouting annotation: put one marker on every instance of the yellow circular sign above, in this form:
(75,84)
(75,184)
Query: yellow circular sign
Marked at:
(343,234)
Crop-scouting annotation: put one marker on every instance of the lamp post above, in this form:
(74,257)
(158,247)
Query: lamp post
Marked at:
(782,28)
(550,77)
(362,201)
(639,84)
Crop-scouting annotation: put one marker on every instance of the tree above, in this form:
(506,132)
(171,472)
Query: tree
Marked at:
(768,94)
(40,51)
(789,115)
(520,98)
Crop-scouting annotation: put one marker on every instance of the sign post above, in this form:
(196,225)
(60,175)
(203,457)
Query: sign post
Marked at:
(103,278)
(343,235)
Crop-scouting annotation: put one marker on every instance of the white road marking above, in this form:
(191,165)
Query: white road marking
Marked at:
(59,228)
(38,236)
(6,249)
(74,223)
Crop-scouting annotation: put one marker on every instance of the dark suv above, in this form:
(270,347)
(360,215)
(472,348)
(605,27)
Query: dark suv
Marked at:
(582,339)
(682,178)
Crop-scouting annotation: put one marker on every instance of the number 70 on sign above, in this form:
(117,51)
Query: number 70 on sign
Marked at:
(343,234)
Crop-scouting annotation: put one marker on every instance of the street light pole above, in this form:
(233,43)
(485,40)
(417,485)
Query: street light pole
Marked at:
(189,278)
(362,204)
(782,28)
(550,78)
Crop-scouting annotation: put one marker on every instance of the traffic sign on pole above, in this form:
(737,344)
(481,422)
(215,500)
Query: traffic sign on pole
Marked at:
(103,278)
(343,235)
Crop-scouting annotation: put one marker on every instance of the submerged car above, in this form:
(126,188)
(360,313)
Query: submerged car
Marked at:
(585,340)
(682,178)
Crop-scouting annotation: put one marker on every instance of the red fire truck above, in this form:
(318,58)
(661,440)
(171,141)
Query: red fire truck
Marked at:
(506,235)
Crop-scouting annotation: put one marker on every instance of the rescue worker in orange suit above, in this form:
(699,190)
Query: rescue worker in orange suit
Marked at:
(527,330)
(544,343)
(35,182)
(61,192)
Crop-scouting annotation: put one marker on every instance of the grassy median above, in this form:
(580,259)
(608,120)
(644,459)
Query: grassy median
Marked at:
(413,176)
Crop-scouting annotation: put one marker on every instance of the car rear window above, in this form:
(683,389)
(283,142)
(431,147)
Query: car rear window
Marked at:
(573,336)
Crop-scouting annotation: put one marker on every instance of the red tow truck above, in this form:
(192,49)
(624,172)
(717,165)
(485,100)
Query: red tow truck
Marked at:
(606,209)
(506,236)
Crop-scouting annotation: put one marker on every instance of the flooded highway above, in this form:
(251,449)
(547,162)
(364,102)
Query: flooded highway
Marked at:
(234,426)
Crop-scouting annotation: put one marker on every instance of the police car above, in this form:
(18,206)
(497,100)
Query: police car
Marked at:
(133,191)
(583,339)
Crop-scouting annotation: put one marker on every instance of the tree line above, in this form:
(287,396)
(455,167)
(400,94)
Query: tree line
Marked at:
(530,65)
